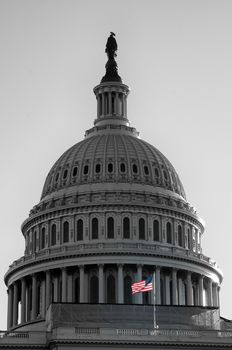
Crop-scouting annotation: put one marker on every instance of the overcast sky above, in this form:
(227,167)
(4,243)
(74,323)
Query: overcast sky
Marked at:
(176,56)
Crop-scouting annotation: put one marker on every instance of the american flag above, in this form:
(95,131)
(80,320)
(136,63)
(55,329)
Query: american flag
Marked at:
(142,286)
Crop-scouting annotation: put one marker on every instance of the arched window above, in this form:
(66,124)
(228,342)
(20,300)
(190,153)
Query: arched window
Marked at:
(97,168)
(141,228)
(74,173)
(34,241)
(110,228)
(95,228)
(156,230)
(135,169)
(94,289)
(111,296)
(169,232)
(53,235)
(122,168)
(66,232)
(146,170)
(189,238)
(126,228)
(86,170)
(127,290)
(180,236)
(110,167)
(77,290)
(42,238)
(79,230)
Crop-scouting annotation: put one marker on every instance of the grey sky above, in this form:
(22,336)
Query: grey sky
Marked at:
(175,55)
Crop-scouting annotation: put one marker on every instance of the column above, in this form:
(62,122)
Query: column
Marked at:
(139,296)
(110,102)
(120,284)
(125,106)
(98,106)
(167,289)
(23,300)
(64,284)
(101,282)
(214,290)
(82,283)
(174,287)
(210,294)
(43,299)
(34,297)
(117,104)
(201,290)
(48,289)
(103,104)
(189,289)
(218,299)
(15,304)
(70,289)
(157,285)
(10,307)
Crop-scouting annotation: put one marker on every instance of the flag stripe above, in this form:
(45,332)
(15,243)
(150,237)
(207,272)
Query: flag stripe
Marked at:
(142,286)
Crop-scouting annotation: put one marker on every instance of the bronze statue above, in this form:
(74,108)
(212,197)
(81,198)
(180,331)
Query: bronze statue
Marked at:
(111,65)
(111,46)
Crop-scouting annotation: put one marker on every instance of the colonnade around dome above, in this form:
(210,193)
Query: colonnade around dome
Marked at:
(30,296)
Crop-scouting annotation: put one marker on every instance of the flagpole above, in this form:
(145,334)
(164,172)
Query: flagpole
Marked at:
(154,311)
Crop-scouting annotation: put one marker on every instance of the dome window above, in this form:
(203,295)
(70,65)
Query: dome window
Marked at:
(146,171)
(126,228)
(122,167)
(94,289)
(110,167)
(135,169)
(169,233)
(156,230)
(180,236)
(157,174)
(65,174)
(95,228)
(57,177)
(66,232)
(141,228)
(98,168)
(42,238)
(110,228)
(79,230)
(110,289)
(127,290)
(86,170)
(74,172)
(53,235)
(165,175)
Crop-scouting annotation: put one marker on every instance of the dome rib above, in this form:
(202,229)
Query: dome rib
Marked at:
(112,146)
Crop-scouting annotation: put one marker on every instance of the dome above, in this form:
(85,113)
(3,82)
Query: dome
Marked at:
(113,212)
(110,156)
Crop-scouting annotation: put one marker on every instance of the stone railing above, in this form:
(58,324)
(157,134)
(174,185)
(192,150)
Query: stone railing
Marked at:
(12,337)
(161,335)
(117,247)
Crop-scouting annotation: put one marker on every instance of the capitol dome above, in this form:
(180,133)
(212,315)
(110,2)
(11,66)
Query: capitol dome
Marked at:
(111,156)
(113,211)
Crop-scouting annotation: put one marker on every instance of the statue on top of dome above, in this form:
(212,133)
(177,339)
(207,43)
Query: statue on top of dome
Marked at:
(111,46)
(111,65)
